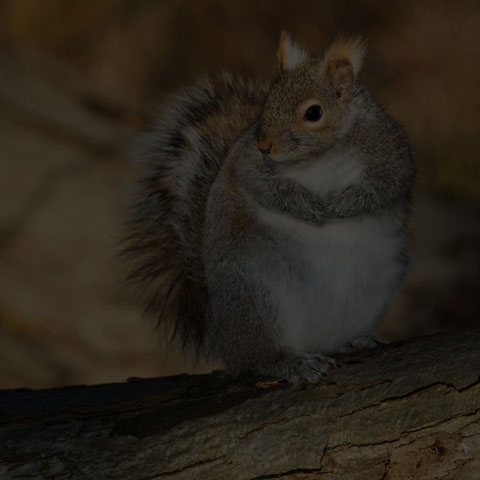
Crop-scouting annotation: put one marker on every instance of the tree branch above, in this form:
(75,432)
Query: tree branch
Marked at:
(408,410)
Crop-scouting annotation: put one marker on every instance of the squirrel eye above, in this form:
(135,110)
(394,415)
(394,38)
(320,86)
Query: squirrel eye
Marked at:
(313,113)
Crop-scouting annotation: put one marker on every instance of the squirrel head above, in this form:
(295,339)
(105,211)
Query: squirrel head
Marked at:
(311,100)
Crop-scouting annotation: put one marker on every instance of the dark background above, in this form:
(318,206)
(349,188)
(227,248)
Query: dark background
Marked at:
(80,78)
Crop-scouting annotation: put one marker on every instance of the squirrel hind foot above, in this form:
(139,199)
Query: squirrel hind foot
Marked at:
(299,368)
(363,342)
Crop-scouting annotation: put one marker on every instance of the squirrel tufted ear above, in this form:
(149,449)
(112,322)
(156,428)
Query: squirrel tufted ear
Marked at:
(289,54)
(342,63)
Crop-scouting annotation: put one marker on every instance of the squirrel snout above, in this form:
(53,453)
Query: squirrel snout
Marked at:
(264,144)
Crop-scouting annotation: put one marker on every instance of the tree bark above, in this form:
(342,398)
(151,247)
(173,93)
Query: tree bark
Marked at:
(407,410)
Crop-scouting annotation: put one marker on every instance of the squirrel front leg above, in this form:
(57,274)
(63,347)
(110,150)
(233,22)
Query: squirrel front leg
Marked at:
(371,195)
(386,179)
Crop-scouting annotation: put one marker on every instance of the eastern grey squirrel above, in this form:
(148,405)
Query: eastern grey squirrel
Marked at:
(270,224)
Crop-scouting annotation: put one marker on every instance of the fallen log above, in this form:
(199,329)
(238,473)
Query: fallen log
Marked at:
(406,410)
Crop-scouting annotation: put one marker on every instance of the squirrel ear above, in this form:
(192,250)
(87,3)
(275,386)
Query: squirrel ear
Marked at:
(342,63)
(289,54)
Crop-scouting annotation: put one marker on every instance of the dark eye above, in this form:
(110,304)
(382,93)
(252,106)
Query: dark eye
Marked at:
(313,114)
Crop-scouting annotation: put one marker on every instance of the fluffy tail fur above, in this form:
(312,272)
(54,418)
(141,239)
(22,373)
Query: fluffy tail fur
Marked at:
(180,160)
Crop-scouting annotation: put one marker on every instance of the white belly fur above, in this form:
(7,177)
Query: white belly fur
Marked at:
(338,282)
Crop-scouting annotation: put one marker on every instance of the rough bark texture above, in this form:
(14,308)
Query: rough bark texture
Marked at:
(409,410)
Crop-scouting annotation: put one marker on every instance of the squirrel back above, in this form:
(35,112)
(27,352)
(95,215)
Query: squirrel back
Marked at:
(180,160)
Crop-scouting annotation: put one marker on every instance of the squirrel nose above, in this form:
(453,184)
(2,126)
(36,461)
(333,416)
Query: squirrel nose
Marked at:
(264,145)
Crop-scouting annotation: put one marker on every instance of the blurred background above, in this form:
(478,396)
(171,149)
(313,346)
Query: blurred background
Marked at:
(79,79)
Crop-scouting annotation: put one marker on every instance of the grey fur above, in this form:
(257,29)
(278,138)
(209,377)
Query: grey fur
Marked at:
(218,230)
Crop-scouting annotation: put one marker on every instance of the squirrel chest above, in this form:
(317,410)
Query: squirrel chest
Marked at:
(328,282)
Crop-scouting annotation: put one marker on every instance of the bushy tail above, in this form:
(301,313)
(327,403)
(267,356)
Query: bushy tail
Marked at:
(180,160)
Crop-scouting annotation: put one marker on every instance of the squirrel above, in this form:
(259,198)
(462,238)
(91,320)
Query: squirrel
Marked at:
(270,226)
